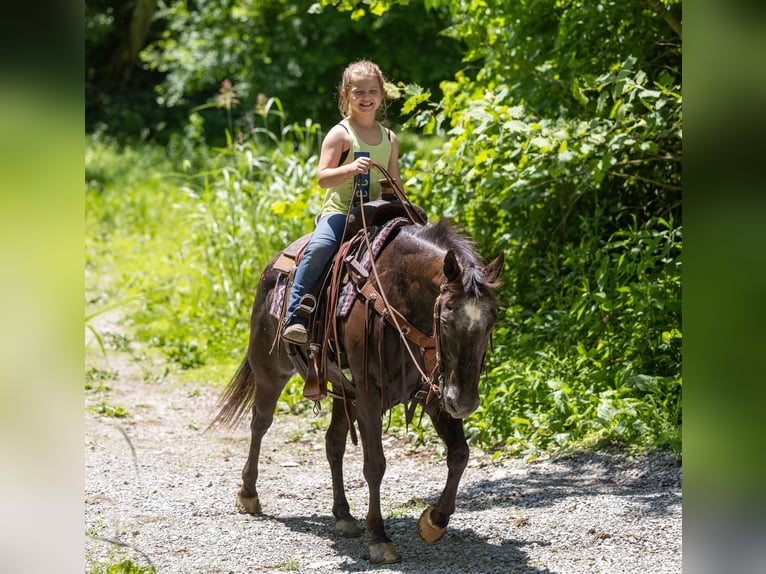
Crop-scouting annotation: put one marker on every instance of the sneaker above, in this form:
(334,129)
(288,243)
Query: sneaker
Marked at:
(295,333)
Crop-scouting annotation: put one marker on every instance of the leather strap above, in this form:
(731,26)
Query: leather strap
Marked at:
(426,344)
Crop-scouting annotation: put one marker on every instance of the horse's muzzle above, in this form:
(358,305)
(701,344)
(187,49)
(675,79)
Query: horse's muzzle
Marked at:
(459,403)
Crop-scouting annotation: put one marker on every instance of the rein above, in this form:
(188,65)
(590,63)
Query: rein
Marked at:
(429,346)
(412,214)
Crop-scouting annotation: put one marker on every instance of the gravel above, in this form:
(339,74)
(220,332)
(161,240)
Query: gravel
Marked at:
(161,491)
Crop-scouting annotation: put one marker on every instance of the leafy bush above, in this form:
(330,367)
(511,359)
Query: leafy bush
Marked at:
(601,359)
(588,212)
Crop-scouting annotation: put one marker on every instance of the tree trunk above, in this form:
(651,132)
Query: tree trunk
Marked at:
(672,21)
(125,57)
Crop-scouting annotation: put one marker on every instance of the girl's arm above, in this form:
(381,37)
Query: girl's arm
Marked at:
(329,173)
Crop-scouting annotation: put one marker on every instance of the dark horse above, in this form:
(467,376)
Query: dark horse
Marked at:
(435,281)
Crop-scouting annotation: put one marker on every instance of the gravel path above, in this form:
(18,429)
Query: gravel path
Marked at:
(165,490)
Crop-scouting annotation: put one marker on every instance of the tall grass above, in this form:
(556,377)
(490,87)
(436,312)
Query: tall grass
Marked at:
(191,245)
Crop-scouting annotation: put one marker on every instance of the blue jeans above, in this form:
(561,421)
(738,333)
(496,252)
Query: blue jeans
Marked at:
(322,246)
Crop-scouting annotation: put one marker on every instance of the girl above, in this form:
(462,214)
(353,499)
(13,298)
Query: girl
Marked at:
(348,151)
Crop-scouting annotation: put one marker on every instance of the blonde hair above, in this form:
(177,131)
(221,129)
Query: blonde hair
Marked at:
(355,69)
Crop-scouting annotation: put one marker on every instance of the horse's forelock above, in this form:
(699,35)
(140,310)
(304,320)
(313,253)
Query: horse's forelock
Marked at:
(474,284)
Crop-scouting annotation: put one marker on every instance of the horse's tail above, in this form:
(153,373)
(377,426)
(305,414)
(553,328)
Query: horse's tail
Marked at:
(237,398)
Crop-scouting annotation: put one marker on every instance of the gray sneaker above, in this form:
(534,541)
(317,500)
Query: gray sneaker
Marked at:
(295,333)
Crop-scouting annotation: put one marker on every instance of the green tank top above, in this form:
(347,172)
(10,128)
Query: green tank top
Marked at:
(337,199)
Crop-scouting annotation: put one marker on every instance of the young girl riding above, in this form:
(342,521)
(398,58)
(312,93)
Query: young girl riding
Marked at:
(348,151)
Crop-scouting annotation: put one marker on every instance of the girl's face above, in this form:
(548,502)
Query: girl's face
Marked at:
(364,95)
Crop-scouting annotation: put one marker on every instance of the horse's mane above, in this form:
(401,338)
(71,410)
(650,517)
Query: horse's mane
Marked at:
(445,235)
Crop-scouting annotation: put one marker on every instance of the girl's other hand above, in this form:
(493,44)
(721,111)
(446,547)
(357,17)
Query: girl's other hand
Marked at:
(361,165)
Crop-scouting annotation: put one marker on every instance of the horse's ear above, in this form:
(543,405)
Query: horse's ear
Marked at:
(493,270)
(451,267)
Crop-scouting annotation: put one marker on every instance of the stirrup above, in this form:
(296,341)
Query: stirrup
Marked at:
(306,307)
(298,333)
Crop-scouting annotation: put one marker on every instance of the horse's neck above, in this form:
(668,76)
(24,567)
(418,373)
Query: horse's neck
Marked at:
(416,285)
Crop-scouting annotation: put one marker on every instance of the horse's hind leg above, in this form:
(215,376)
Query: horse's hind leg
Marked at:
(335,446)
(268,386)
(433,522)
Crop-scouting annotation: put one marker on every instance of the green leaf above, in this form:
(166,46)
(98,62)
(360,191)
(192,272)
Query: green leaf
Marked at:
(578,93)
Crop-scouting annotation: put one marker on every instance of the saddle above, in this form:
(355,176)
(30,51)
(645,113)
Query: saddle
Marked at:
(319,307)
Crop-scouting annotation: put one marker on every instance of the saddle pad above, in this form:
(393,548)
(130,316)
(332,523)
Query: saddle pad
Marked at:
(378,241)
(277,296)
(284,264)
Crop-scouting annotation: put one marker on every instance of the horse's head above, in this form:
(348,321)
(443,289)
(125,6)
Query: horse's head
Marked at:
(467,314)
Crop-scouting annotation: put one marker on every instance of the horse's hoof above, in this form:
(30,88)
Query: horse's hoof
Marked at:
(347,527)
(248,505)
(384,553)
(428,530)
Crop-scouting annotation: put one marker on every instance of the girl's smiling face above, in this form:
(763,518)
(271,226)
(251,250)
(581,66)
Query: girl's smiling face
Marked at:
(364,94)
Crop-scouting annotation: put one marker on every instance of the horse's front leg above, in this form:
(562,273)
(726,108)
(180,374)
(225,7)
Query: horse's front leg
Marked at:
(381,548)
(335,447)
(433,522)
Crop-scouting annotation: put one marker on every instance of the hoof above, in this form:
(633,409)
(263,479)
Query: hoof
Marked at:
(384,553)
(348,528)
(248,505)
(428,530)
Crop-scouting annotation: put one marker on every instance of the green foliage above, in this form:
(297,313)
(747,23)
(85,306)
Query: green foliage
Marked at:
(293,50)
(107,410)
(292,401)
(289,564)
(600,360)
(573,169)
(197,283)
(95,379)
(125,566)
(559,141)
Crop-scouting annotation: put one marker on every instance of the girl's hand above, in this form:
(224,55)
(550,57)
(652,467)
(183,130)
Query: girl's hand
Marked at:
(361,165)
